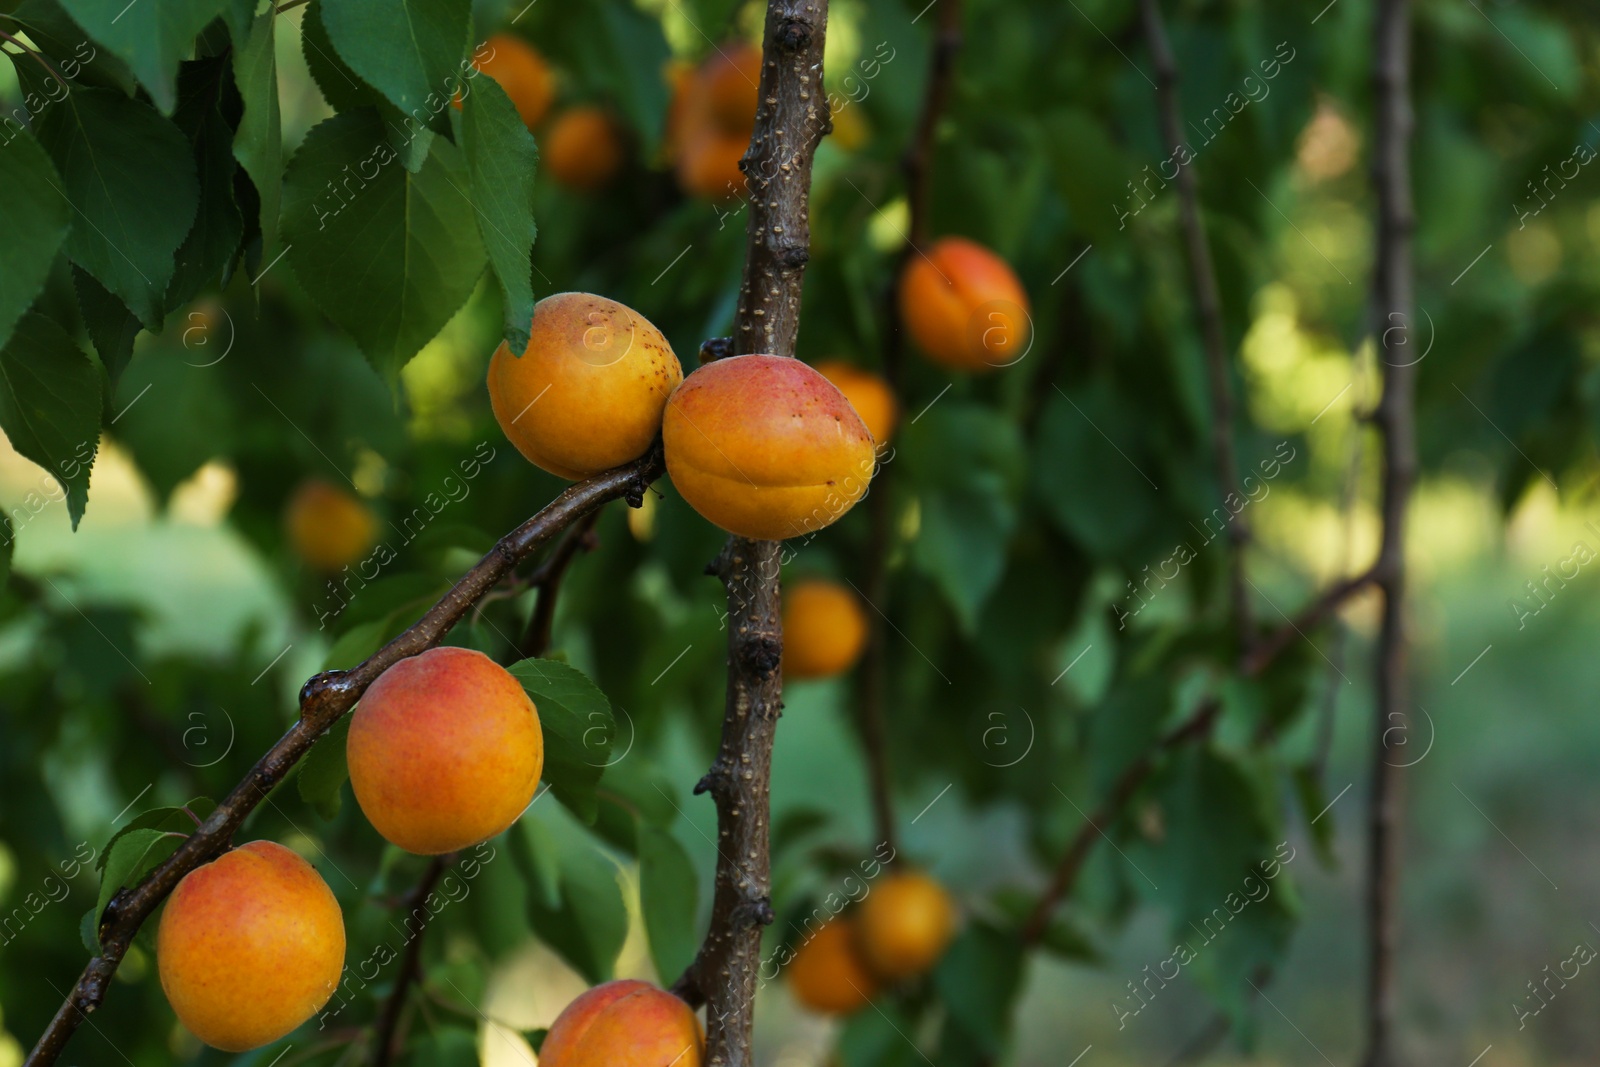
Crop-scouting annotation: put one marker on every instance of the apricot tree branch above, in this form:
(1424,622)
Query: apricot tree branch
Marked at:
(791,119)
(1208,306)
(323,700)
(917,163)
(1392,307)
(1268,648)
(547,580)
(386,1039)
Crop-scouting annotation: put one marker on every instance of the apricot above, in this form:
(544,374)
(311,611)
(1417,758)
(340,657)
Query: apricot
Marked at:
(522,72)
(445,751)
(328,527)
(582,148)
(964,306)
(250,946)
(708,166)
(765,447)
(711,118)
(869,394)
(824,629)
(730,80)
(624,1024)
(904,925)
(587,393)
(826,974)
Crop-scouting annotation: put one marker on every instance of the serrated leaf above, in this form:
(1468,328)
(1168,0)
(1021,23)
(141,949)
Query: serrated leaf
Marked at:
(50,405)
(205,96)
(130,856)
(324,769)
(37,220)
(390,256)
(669,896)
(176,819)
(409,50)
(129,175)
(590,922)
(258,142)
(502,159)
(55,34)
(151,36)
(341,87)
(111,326)
(578,729)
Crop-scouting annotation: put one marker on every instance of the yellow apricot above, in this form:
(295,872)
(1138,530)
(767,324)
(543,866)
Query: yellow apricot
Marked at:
(708,165)
(587,393)
(328,527)
(869,394)
(964,306)
(582,148)
(824,629)
(711,118)
(445,751)
(904,925)
(521,71)
(250,946)
(624,1024)
(826,974)
(765,447)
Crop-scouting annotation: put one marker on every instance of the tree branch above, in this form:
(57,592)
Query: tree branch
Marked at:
(547,580)
(917,163)
(1392,304)
(1312,615)
(323,700)
(387,1043)
(791,120)
(1208,306)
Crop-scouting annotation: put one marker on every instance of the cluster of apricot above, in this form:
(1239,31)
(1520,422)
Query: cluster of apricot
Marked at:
(711,118)
(897,933)
(445,750)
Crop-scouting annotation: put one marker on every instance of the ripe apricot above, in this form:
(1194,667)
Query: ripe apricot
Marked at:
(328,527)
(445,750)
(521,71)
(826,974)
(869,394)
(587,393)
(765,447)
(904,925)
(824,629)
(708,165)
(730,80)
(250,946)
(712,116)
(964,306)
(624,1024)
(582,148)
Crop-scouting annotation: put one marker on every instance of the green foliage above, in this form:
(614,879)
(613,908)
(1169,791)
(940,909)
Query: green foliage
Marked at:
(40,219)
(578,729)
(502,160)
(50,404)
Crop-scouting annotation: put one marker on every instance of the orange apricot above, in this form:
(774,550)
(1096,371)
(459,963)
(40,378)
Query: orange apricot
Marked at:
(765,447)
(824,629)
(904,925)
(964,306)
(624,1023)
(711,118)
(869,394)
(708,165)
(582,148)
(328,527)
(521,71)
(826,974)
(587,393)
(250,946)
(730,80)
(445,751)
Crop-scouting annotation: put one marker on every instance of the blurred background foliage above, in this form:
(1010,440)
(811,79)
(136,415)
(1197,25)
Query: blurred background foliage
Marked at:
(148,657)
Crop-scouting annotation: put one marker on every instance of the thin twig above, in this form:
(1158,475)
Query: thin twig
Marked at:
(547,580)
(38,56)
(387,1041)
(323,700)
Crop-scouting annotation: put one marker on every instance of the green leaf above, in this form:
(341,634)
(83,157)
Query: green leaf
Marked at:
(669,894)
(151,36)
(578,729)
(590,922)
(388,255)
(129,175)
(876,1037)
(324,769)
(258,142)
(112,327)
(1314,803)
(132,855)
(37,220)
(978,979)
(341,87)
(176,819)
(409,50)
(173,416)
(50,405)
(205,88)
(1091,474)
(502,159)
(55,34)
(449,1046)
(1127,724)
(356,644)
(966,463)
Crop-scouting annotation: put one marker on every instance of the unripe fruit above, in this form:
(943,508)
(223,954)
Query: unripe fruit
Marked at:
(250,946)
(827,976)
(964,306)
(587,393)
(328,527)
(522,72)
(869,394)
(583,148)
(765,447)
(624,1024)
(824,629)
(904,926)
(445,751)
